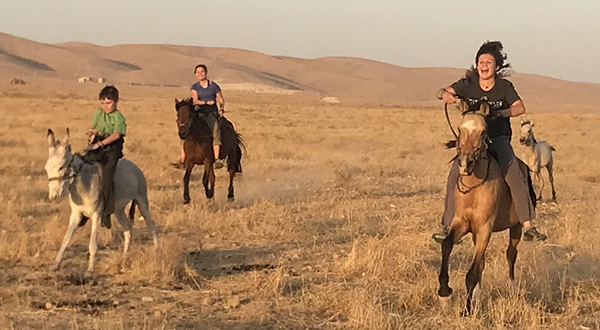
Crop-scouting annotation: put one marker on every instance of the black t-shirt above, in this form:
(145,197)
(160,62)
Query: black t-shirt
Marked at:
(500,97)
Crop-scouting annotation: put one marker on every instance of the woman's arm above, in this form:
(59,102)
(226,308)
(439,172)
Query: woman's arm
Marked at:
(221,102)
(515,110)
(447,94)
(195,98)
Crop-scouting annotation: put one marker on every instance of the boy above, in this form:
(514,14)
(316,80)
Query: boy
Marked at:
(106,138)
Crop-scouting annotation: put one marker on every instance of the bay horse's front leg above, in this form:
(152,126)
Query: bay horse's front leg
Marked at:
(482,239)
(93,246)
(186,182)
(457,231)
(230,196)
(73,224)
(208,179)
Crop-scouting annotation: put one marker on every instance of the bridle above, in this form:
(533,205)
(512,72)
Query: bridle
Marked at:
(70,171)
(479,153)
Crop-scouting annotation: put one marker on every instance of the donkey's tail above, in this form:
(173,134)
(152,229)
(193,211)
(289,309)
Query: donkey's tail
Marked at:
(132,210)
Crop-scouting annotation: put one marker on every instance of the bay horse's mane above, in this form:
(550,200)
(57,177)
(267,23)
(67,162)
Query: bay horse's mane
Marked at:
(183,102)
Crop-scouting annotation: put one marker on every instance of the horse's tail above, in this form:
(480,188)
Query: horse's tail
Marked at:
(132,210)
(238,154)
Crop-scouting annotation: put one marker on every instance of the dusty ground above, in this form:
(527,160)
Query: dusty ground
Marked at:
(330,230)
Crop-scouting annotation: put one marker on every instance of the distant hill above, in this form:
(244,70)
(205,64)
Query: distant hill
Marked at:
(343,77)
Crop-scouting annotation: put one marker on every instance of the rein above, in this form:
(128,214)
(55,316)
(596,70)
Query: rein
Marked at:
(448,120)
(459,182)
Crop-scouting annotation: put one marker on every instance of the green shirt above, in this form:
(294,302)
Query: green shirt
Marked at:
(109,123)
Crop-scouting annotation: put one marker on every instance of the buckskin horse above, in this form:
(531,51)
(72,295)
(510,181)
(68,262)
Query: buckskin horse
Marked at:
(483,204)
(198,149)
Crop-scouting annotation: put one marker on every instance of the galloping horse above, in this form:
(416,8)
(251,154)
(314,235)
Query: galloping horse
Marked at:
(537,155)
(483,203)
(197,145)
(70,173)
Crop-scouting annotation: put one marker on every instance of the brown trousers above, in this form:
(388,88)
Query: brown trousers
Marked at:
(515,178)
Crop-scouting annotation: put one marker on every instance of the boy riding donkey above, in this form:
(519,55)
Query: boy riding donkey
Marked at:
(106,135)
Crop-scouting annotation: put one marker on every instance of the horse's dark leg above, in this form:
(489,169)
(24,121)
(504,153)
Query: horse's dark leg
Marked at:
(511,253)
(474,275)
(551,178)
(457,231)
(186,182)
(206,182)
(230,196)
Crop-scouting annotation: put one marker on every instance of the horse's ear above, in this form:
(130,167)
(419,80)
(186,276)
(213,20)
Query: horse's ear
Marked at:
(65,140)
(484,108)
(463,106)
(51,138)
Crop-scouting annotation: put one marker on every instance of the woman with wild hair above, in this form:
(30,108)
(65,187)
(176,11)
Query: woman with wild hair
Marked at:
(486,82)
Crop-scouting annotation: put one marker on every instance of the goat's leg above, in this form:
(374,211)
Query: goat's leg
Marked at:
(551,179)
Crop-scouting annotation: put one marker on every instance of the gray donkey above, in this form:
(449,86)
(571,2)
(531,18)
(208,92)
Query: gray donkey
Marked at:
(68,172)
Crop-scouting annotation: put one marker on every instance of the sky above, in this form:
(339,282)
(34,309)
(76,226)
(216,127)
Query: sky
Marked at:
(555,38)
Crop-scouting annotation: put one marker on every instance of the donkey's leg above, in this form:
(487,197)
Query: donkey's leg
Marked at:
(230,196)
(126,224)
(73,224)
(93,246)
(474,275)
(511,253)
(457,231)
(186,181)
(551,178)
(145,211)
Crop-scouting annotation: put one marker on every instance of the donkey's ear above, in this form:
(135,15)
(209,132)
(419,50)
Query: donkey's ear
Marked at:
(51,138)
(484,108)
(463,106)
(65,140)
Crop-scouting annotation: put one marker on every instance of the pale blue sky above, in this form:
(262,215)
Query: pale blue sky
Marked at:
(557,38)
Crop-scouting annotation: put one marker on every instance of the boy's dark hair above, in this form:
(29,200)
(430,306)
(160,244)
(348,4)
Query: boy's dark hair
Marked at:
(495,49)
(201,66)
(109,93)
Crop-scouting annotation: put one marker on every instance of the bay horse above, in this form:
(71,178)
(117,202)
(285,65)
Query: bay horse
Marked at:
(70,174)
(537,155)
(198,149)
(483,204)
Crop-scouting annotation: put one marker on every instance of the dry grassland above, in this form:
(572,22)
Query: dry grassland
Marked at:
(330,230)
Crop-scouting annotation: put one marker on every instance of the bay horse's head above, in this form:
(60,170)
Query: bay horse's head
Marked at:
(184,117)
(58,165)
(526,132)
(472,137)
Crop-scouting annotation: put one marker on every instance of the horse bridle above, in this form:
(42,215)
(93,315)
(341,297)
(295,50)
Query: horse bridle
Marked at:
(70,171)
(479,153)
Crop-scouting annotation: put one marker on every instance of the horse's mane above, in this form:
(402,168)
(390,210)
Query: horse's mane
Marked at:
(184,102)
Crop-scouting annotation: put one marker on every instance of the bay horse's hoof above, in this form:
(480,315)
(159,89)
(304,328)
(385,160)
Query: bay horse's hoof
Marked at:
(231,199)
(186,202)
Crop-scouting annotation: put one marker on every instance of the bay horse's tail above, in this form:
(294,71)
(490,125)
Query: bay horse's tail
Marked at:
(238,154)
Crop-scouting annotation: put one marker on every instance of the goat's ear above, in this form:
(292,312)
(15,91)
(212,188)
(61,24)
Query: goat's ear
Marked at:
(484,108)
(531,122)
(463,106)
(65,140)
(522,121)
(51,138)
